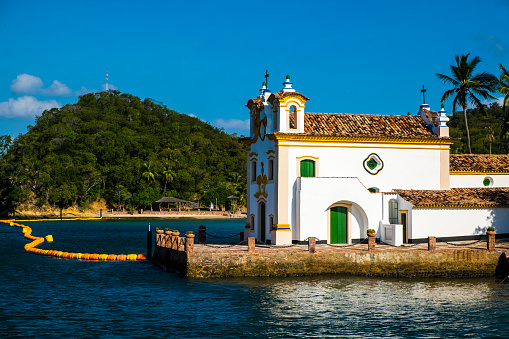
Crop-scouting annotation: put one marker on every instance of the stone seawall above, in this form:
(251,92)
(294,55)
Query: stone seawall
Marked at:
(179,254)
(453,263)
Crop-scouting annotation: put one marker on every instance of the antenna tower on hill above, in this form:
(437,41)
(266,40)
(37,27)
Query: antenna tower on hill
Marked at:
(106,80)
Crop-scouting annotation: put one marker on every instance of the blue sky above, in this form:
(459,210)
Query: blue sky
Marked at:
(207,58)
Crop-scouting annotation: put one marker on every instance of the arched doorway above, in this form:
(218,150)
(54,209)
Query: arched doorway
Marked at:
(346,222)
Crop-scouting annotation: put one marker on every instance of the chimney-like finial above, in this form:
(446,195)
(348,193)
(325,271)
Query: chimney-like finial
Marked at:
(288,85)
(442,118)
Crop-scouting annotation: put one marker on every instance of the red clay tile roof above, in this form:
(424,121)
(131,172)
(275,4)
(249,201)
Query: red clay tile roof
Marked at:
(252,102)
(431,116)
(460,197)
(479,162)
(282,94)
(366,125)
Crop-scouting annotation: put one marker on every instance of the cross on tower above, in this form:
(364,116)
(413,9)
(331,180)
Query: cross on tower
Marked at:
(423,91)
(266,79)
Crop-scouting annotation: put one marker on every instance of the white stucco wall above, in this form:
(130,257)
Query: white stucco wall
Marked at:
(417,167)
(457,222)
(316,195)
(466,180)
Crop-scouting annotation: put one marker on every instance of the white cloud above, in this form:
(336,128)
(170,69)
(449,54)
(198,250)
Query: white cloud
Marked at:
(492,43)
(499,100)
(192,115)
(26,107)
(57,89)
(83,90)
(233,124)
(110,86)
(26,84)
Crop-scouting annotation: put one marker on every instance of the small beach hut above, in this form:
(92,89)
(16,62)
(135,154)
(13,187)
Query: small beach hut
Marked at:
(171,200)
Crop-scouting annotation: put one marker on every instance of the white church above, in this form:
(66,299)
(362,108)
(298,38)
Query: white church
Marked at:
(334,176)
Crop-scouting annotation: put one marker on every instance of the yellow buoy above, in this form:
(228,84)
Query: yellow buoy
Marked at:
(49,238)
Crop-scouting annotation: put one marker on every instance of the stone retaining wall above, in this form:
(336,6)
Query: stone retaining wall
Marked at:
(453,263)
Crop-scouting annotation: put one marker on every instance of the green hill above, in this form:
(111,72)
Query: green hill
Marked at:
(123,150)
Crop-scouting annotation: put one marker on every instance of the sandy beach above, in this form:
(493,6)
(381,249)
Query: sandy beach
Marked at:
(120,215)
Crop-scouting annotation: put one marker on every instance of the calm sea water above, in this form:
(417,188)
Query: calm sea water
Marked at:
(44,297)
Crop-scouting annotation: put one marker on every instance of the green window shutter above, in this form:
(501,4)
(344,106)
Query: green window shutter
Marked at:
(393,211)
(307,168)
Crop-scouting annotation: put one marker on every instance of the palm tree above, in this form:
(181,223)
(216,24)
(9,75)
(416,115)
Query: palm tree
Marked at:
(468,86)
(148,172)
(503,87)
(168,175)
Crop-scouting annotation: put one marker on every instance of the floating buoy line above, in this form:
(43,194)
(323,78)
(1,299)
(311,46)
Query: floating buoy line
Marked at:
(36,241)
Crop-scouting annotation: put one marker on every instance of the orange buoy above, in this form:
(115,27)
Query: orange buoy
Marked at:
(103,256)
(141,257)
(94,256)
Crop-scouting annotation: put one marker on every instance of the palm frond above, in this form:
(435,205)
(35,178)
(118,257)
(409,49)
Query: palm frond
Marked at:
(477,103)
(447,94)
(446,79)
(504,71)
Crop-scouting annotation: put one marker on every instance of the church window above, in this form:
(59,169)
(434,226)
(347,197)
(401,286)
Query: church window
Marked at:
(487,182)
(275,119)
(271,169)
(253,170)
(252,221)
(292,117)
(271,222)
(393,211)
(373,164)
(307,168)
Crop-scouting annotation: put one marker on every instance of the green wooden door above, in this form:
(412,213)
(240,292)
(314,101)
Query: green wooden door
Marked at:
(307,168)
(338,222)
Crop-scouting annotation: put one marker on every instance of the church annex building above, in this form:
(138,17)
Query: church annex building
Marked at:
(334,176)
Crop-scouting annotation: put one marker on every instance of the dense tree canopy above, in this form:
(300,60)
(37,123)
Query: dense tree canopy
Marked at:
(122,149)
(486,129)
